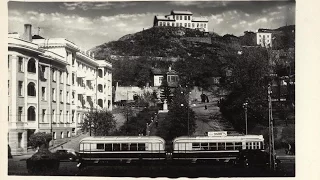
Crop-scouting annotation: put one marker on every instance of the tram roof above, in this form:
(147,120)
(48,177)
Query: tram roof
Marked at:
(122,139)
(204,138)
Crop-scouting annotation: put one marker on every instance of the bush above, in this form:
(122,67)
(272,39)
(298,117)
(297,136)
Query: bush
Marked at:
(40,139)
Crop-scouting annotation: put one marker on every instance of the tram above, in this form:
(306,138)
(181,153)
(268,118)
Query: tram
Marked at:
(221,147)
(121,150)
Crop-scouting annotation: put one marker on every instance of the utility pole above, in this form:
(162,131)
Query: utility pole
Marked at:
(245,106)
(271,137)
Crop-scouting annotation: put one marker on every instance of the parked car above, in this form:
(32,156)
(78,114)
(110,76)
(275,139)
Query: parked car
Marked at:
(66,154)
(253,158)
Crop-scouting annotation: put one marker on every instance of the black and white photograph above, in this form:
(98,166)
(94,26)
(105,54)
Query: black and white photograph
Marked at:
(151,89)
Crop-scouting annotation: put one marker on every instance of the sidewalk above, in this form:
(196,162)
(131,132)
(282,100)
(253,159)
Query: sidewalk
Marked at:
(51,148)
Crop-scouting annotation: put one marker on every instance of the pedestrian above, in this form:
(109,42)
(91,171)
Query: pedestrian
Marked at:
(156,123)
(61,147)
(205,107)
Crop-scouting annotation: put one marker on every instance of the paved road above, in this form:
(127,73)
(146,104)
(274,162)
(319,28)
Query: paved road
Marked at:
(73,144)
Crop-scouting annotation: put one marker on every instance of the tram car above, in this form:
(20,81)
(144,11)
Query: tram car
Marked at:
(213,148)
(121,150)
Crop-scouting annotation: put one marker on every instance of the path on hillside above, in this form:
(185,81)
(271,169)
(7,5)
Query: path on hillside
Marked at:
(209,119)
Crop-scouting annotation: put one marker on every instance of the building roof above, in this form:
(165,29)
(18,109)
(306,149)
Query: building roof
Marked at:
(157,71)
(181,12)
(165,18)
(199,19)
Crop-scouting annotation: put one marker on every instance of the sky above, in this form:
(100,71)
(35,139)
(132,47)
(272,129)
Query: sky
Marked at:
(89,24)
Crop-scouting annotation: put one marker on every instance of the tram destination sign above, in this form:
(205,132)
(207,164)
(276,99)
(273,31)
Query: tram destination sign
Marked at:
(218,133)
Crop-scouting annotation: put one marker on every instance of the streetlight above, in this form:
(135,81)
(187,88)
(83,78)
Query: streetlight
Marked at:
(245,106)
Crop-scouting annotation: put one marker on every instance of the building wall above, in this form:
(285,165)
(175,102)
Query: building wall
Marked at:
(65,61)
(264,39)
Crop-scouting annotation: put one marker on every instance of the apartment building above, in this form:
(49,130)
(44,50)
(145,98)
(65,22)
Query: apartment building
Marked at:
(182,19)
(52,85)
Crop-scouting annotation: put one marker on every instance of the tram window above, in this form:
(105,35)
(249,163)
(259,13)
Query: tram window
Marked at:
(133,147)
(221,146)
(204,146)
(238,145)
(141,147)
(124,147)
(195,145)
(213,146)
(247,145)
(108,147)
(100,146)
(229,146)
(116,147)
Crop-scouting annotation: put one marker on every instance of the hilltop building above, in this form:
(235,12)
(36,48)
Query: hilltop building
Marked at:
(52,84)
(265,37)
(182,19)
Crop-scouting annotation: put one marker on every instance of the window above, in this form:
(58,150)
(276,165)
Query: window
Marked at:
(185,24)
(31,89)
(100,146)
(185,17)
(72,116)
(19,113)
(125,147)
(100,103)
(238,145)
(43,93)
(54,78)
(73,94)
(193,25)
(73,76)
(60,116)
(60,96)
(67,116)
(201,25)
(31,114)
(100,73)
(9,61)
(205,25)
(180,17)
(188,24)
(116,147)
(108,147)
(54,135)
(53,117)
(160,23)
(221,146)
(43,115)
(229,146)
(195,146)
(180,24)
(19,140)
(204,146)
(61,135)
(67,78)
(133,147)
(32,65)
(213,146)
(8,87)
(68,97)
(54,94)
(61,77)
(100,88)
(20,64)
(197,25)
(141,147)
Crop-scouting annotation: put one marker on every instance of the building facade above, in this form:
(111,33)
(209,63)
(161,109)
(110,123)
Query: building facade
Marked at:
(52,85)
(182,19)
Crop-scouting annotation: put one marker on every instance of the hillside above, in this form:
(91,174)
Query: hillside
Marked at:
(162,42)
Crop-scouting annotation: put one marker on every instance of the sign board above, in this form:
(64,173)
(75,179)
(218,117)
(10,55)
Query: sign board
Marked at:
(217,133)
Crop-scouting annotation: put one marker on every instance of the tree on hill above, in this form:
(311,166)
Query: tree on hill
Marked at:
(179,116)
(165,90)
(99,123)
